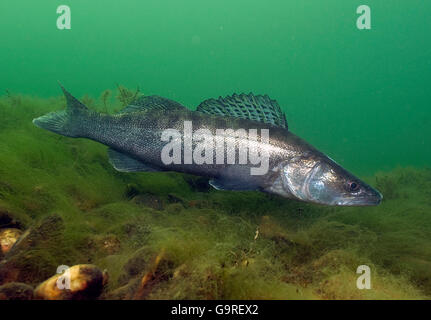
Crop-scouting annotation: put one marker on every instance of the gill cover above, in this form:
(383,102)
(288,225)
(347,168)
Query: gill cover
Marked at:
(296,175)
(321,180)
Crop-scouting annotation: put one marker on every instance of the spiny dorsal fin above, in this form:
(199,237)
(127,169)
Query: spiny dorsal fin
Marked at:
(152,102)
(71,102)
(257,108)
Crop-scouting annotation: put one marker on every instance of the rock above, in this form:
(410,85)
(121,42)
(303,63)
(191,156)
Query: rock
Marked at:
(106,244)
(111,244)
(16,291)
(161,269)
(85,282)
(8,237)
(138,262)
(144,271)
(7,220)
(126,292)
(49,230)
(136,265)
(137,232)
(38,252)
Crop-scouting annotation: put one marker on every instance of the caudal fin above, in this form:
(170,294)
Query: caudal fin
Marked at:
(66,122)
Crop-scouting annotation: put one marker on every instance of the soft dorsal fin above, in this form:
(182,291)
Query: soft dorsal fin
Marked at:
(152,102)
(257,108)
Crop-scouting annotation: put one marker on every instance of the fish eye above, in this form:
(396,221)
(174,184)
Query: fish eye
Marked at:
(353,186)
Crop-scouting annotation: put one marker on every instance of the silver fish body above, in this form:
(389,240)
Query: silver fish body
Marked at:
(294,168)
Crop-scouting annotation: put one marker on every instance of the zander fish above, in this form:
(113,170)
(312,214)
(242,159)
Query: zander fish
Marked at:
(240,142)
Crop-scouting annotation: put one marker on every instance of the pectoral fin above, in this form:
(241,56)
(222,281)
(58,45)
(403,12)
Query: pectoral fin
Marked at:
(220,184)
(125,163)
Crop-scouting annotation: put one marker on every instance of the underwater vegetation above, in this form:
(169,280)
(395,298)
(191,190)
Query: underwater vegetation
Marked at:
(167,235)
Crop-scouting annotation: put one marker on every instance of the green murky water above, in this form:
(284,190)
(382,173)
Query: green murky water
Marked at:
(360,96)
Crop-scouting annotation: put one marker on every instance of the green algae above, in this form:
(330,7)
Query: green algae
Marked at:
(215,244)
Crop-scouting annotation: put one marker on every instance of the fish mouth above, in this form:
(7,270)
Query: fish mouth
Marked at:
(366,200)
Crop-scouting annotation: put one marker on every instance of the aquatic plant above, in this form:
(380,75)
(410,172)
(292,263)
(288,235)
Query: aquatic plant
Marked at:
(211,244)
(14,99)
(88,101)
(105,97)
(126,96)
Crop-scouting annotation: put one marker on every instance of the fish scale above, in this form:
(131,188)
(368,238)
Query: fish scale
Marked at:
(284,164)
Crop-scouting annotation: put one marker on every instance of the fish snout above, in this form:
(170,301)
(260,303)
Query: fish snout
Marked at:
(377,197)
(371,197)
